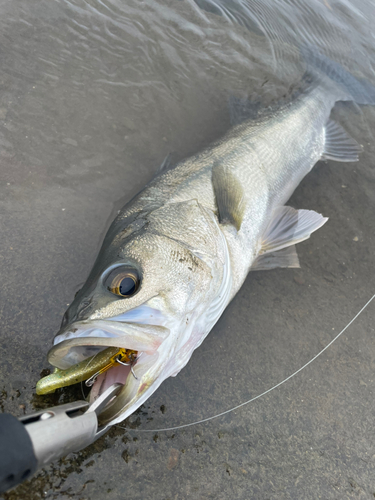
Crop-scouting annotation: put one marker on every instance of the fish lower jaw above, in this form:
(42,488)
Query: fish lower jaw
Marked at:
(136,389)
(131,376)
(102,353)
(78,351)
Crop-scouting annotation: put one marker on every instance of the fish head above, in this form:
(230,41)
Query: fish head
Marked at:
(154,289)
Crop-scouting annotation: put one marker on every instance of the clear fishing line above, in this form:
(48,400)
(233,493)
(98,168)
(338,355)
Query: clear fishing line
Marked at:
(88,364)
(183,426)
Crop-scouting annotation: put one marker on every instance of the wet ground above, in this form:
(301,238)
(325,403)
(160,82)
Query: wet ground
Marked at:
(93,96)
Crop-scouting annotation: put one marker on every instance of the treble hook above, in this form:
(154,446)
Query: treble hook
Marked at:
(130,364)
(122,353)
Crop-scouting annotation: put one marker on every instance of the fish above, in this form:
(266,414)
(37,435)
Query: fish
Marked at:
(179,251)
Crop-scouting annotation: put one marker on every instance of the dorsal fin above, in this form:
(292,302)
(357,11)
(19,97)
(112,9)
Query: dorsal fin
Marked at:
(229,196)
(242,109)
(166,164)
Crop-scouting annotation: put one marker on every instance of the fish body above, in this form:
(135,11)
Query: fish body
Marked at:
(177,253)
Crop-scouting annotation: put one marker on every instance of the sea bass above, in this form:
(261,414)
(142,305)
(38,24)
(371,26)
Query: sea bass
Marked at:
(179,251)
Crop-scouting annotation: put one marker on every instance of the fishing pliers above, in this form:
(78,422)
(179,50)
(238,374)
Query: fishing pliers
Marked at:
(31,442)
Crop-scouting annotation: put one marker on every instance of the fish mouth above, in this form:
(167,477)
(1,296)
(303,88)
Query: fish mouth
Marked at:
(78,345)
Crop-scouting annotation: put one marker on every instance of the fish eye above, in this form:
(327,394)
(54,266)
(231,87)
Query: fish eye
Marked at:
(123,281)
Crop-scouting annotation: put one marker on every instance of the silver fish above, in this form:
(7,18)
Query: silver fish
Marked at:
(178,252)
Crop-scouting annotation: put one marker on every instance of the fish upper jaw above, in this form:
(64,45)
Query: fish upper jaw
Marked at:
(83,339)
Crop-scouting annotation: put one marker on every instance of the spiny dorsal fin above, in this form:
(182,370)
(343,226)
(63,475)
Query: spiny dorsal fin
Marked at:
(242,109)
(229,196)
(339,146)
(166,164)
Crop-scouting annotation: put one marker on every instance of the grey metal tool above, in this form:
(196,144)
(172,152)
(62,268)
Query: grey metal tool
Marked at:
(33,441)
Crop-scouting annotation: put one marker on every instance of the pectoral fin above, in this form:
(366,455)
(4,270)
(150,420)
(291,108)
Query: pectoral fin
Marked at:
(229,196)
(286,228)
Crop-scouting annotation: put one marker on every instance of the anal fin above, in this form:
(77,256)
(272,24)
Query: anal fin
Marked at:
(229,195)
(287,257)
(339,146)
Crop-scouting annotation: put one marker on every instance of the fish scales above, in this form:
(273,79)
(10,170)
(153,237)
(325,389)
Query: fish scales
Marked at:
(179,251)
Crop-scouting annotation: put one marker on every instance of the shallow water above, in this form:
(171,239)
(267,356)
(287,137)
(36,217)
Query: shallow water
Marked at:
(93,96)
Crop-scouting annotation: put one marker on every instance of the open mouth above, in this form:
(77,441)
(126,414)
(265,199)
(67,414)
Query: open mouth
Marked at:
(99,371)
(100,353)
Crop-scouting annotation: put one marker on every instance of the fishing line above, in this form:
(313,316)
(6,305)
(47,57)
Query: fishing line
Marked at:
(88,364)
(265,392)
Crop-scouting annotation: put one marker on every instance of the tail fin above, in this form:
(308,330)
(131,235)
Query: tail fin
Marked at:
(346,86)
